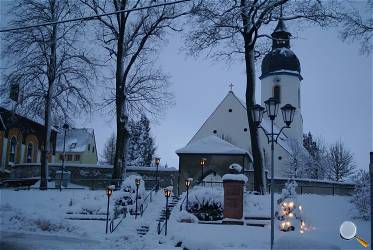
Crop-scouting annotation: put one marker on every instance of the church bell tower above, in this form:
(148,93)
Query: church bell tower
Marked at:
(281,79)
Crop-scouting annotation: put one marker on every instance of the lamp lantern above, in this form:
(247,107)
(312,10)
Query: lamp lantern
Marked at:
(288,112)
(188,182)
(137,182)
(272,107)
(157,161)
(257,112)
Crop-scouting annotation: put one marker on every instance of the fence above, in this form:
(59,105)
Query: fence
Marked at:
(305,186)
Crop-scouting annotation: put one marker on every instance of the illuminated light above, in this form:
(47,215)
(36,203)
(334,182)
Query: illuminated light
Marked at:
(284,204)
(291,215)
(302,223)
(300,208)
(301,231)
(288,223)
(291,204)
(283,225)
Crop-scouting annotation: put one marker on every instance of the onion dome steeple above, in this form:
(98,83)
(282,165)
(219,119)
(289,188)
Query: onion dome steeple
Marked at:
(281,59)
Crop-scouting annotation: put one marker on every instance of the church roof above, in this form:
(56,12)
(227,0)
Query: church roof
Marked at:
(212,145)
(281,59)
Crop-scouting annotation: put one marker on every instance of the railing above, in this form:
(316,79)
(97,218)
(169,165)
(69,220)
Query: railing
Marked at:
(182,203)
(112,227)
(147,199)
(333,189)
(159,227)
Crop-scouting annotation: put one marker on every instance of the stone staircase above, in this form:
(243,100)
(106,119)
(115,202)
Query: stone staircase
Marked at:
(142,230)
(171,204)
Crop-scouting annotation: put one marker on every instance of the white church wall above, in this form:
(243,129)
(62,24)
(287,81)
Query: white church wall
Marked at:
(289,93)
(228,125)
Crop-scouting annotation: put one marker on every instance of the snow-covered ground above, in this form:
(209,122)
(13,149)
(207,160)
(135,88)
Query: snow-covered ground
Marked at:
(33,213)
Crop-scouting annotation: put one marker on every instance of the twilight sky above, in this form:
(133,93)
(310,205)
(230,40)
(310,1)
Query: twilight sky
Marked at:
(336,93)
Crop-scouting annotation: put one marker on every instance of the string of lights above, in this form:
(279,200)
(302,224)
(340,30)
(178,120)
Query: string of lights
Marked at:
(87,18)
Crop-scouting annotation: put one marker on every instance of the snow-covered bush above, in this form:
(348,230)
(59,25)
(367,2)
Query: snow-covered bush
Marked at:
(125,199)
(207,203)
(184,216)
(361,196)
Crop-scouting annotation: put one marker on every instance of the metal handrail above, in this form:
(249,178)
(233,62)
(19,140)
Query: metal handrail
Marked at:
(112,228)
(181,205)
(148,196)
(159,228)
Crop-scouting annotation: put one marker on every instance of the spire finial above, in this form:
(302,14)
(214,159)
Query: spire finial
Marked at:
(231,86)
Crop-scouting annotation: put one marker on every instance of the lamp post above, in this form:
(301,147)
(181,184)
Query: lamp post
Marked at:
(202,163)
(371,193)
(65,128)
(271,109)
(137,182)
(157,161)
(187,184)
(167,194)
(109,192)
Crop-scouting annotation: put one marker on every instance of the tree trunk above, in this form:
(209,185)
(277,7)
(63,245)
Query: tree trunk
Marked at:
(48,104)
(250,101)
(120,101)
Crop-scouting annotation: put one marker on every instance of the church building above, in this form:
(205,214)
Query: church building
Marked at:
(224,138)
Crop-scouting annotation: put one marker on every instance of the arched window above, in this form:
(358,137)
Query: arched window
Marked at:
(12,154)
(276,92)
(29,153)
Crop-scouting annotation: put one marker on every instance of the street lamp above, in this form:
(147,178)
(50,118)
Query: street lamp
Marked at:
(65,128)
(137,182)
(271,109)
(167,194)
(202,163)
(188,182)
(109,192)
(157,161)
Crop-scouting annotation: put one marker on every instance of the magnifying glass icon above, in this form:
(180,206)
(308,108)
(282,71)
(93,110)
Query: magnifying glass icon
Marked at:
(348,231)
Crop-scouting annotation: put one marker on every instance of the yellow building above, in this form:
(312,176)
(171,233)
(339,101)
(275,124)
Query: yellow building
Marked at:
(21,139)
(80,146)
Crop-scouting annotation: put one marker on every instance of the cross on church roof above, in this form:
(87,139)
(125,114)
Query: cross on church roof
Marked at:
(231,86)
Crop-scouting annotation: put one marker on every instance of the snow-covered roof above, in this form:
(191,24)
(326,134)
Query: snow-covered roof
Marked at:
(212,145)
(9,106)
(77,139)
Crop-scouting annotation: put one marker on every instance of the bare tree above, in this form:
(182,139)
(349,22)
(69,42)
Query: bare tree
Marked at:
(109,149)
(229,28)
(50,70)
(341,163)
(131,39)
(358,26)
(297,160)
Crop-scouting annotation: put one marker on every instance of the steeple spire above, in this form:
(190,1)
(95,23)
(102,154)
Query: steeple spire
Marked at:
(281,37)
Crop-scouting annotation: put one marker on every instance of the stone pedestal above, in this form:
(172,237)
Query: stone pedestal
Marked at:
(233,199)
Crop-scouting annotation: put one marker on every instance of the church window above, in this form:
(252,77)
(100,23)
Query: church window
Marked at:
(280,158)
(89,147)
(29,153)
(276,92)
(245,129)
(215,131)
(13,144)
(230,110)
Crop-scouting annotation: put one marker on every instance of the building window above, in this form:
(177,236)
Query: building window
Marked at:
(93,149)
(69,157)
(280,157)
(76,157)
(12,154)
(215,131)
(73,145)
(29,153)
(230,110)
(89,147)
(276,92)
(245,129)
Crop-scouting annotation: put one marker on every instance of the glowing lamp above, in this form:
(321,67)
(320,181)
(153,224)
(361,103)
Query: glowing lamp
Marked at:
(167,192)
(137,182)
